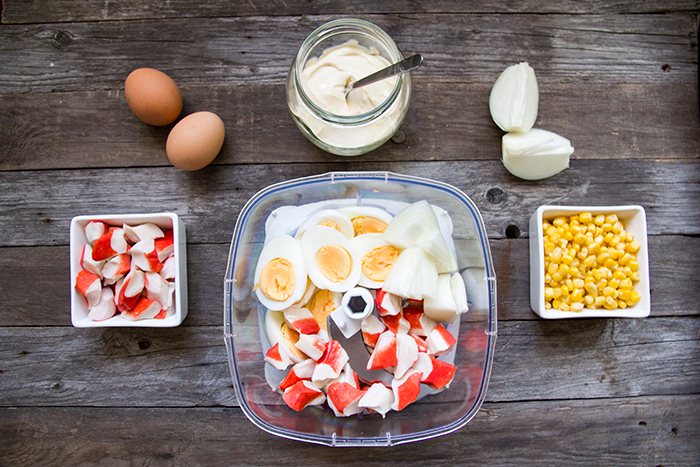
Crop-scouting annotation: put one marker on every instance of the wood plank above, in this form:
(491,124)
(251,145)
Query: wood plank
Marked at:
(229,52)
(648,431)
(187,366)
(210,200)
(610,121)
(35,283)
(15,11)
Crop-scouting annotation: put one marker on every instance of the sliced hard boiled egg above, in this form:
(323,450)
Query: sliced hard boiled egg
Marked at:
(332,262)
(413,275)
(330,218)
(280,275)
(367,219)
(376,259)
(279,332)
(322,304)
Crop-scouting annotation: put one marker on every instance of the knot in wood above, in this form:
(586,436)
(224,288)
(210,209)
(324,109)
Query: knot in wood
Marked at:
(63,38)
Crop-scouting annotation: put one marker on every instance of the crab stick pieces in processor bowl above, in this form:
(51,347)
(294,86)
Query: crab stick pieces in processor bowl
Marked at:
(361,305)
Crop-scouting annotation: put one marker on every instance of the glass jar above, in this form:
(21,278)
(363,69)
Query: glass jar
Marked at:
(342,134)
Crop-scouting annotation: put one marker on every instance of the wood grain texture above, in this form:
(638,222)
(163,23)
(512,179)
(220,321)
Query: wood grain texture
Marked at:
(97,129)
(256,50)
(16,11)
(35,282)
(210,200)
(187,366)
(645,431)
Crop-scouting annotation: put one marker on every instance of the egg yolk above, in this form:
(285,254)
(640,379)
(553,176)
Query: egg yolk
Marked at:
(291,337)
(277,279)
(334,262)
(322,304)
(364,225)
(330,223)
(377,263)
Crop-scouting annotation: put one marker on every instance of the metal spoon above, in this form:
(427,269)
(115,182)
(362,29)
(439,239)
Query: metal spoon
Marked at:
(403,66)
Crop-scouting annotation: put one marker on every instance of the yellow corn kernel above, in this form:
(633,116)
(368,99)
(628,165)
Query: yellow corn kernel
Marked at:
(568,236)
(578,283)
(556,255)
(615,240)
(614,283)
(599,239)
(591,288)
(623,236)
(579,238)
(555,237)
(567,260)
(632,247)
(610,264)
(633,264)
(549,248)
(599,219)
(636,276)
(621,304)
(585,217)
(627,271)
(609,292)
(625,258)
(547,306)
(610,303)
(589,300)
(617,227)
(564,291)
(599,274)
(607,227)
(599,301)
(624,294)
(564,307)
(634,296)
(556,292)
(550,231)
(548,293)
(626,283)
(608,237)
(589,261)
(589,279)
(556,277)
(556,304)
(630,236)
(563,243)
(611,218)
(619,275)
(594,248)
(582,253)
(552,268)
(574,272)
(558,221)
(577,295)
(602,284)
(577,306)
(563,270)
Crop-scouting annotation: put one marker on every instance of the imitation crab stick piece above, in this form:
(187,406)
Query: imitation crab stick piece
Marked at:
(436,373)
(387,303)
(372,327)
(384,354)
(110,244)
(406,354)
(348,375)
(406,389)
(303,394)
(439,341)
(278,357)
(145,256)
(105,309)
(144,309)
(312,345)
(142,232)
(301,320)
(90,264)
(421,325)
(422,346)
(331,363)
(115,268)
(90,287)
(129,289)
(344,398)
(378,398)
(94,230)
(301,371)
(397,323)
(169,265)
(157,289)
(165,245)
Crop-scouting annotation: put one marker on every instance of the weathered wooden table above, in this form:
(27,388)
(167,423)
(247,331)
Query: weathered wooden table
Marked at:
(619,79)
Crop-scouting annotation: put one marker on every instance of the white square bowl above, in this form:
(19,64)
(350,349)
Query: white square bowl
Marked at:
(634,220)
(164,220)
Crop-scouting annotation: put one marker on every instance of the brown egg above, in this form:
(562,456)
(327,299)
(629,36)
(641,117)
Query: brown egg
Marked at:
(195,141)
(153,96)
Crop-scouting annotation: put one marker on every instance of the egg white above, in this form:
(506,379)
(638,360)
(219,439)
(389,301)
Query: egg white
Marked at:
(364,244)
(342,221)
(284,247)
(317,237)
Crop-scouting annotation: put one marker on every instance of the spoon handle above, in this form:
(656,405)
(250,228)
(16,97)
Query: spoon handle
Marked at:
(403,66)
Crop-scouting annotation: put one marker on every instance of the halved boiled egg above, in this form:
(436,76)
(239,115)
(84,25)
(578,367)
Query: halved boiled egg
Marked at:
(330,218)
(280,275)
(323,303)
(376,259)
(367,219)
(332,262)
(279,332)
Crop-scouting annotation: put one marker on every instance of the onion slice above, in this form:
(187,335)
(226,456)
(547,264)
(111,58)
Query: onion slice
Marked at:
(450,301)
(413,275)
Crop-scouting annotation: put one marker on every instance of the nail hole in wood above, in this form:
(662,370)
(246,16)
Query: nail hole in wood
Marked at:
(512,231)
(496,196)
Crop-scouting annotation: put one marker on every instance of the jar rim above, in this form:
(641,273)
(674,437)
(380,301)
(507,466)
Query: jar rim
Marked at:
(336,28)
